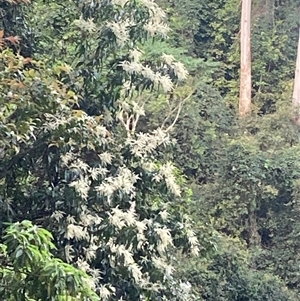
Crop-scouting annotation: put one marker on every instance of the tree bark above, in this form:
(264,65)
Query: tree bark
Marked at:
(296,92)
(254,237)
(245,78)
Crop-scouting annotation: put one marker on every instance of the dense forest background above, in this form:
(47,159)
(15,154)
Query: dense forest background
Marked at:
(125,170)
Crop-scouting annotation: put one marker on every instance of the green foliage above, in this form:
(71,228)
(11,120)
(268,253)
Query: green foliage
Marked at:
(185,18)
(30,272)
(13,23)
(86,151)
(227,275)
(253,175)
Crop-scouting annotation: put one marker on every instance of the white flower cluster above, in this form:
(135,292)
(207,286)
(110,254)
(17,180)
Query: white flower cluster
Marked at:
(78,230)
(124,181)
(165,239)
(191,236)
(156,77)
(124,255)
(178,67)
(155,24)
(122,219)
(145,143)
(167,172)
(135,66)
(85,124)
(121,30)
(119,2)
(86,25)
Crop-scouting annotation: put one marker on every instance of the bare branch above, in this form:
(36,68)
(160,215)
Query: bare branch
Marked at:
(178,108)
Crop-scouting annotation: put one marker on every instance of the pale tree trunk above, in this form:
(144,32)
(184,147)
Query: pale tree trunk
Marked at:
(296,93)
(245,79)
(254,237)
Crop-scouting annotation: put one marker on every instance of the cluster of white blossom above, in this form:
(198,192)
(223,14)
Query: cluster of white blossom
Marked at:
(85,124)
(156,77)
(120,253)
(121,30)
(119,2)
(155,24)
(124,181)
(167,172)
(191,236)
(87,25)
(122,219)
(178,67)
(125,21)
(143,144)
(76,229)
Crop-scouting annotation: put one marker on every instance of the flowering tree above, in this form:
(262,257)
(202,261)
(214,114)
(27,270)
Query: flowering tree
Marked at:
(96,182)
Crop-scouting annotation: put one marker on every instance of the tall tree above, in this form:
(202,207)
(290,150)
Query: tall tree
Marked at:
(296,92)
(245,84)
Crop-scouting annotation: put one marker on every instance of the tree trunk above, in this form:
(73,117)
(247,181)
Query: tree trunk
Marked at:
(245,79)
(254,237)
(296,92)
